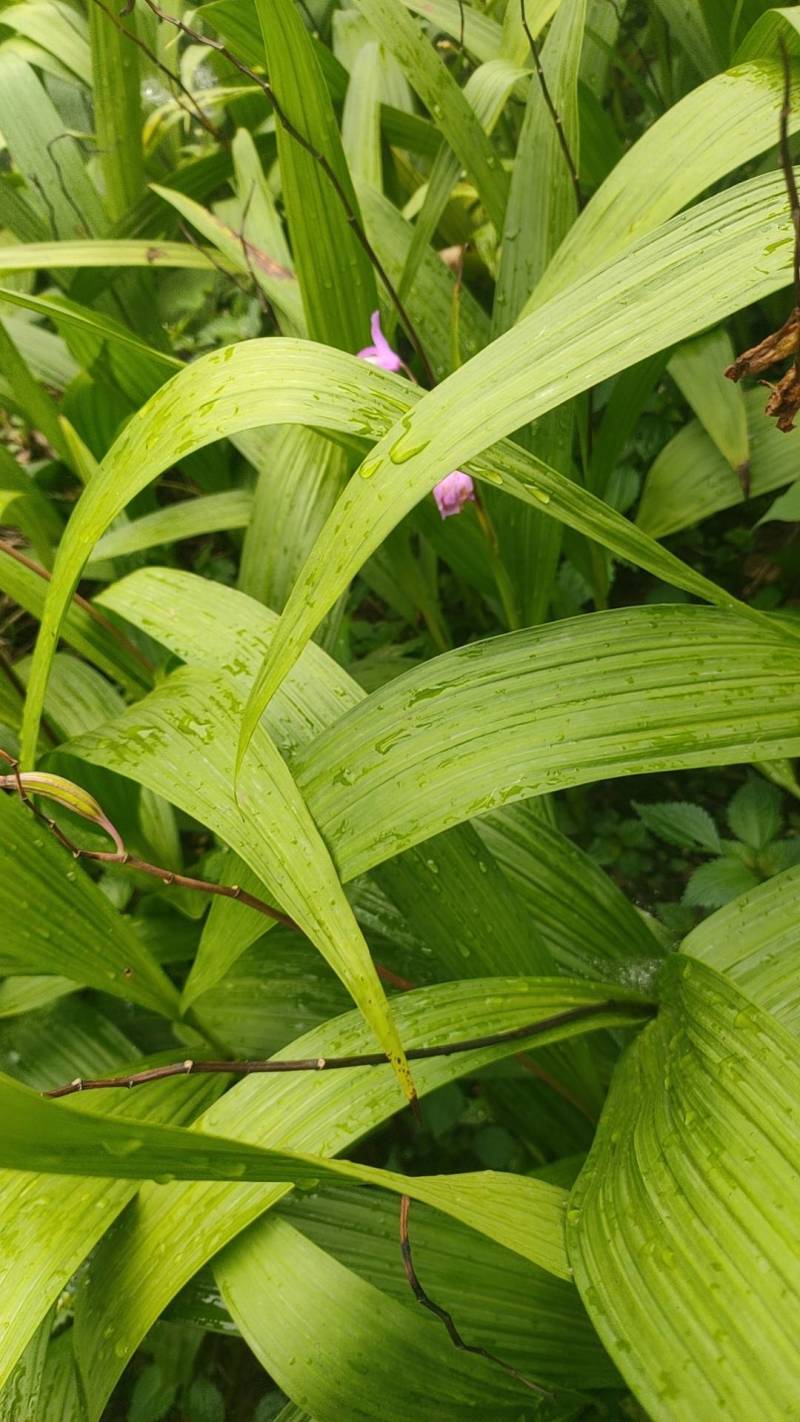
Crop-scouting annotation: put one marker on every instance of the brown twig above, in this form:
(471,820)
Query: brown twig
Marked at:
(446,1318)
(83,603)
(192,1067)
(319,157)
(123,859)
(551,108)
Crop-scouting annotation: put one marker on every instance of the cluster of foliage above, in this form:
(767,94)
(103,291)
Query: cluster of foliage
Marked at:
(398,660)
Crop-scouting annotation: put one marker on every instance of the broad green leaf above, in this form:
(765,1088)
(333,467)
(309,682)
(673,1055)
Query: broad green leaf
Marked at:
(94,638)
(542,206)
(270,828)
(361,117)
(113,252)
(435,85)
(29,992)
(323,240)
(58,921)
(786,508)
(688,23)
(690,479)
(665,288)
(762,40)
(753,940)
(450,890)
(57,28)
(133,1279)
(51,1222)
(281,381)
(482,726)
(698,369)
(683,1202)
(714,129)
(361,1353)
(588,924)
(273,986)
(58,182)
(298,485)
(117,108)
(523,1316)
(609,694)
(187,519)
(74,317)
(35,403)
(482,35)
(241,254)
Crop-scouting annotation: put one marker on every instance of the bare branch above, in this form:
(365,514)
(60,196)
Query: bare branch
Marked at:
(637,1011)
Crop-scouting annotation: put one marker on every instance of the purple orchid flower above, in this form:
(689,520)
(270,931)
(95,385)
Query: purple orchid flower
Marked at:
(456,489)
(380,352)
(453,492)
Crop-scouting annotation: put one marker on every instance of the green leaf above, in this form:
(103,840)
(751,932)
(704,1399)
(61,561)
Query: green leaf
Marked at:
(786,508)
(588,924)
(114,252)
(719,881)
(363,1355)
(526,1317)
(37,406)
(53,1221)
(542,206)
(133,1278)
(437,88)
(28,992)
(267,824)
(299,482)
(714,129)
(58,921)
(754,813)
(241,254)
(117,108)
(690,479)
(712,1250)
(668,286)
(187,519)
(294,381)
(698,369)
(520,715)
(95,639)
(323,240)
(48,157)
(753,940)
(688,826)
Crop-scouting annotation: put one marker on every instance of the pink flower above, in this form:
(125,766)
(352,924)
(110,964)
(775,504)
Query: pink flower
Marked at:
(453,492)
(380,352)
(457,489)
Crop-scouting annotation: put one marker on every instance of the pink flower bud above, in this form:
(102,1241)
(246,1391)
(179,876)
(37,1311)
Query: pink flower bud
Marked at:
(453,492)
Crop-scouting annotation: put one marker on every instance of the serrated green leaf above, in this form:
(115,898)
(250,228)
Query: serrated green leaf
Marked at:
(719,881)
(754,813)
(688,826)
